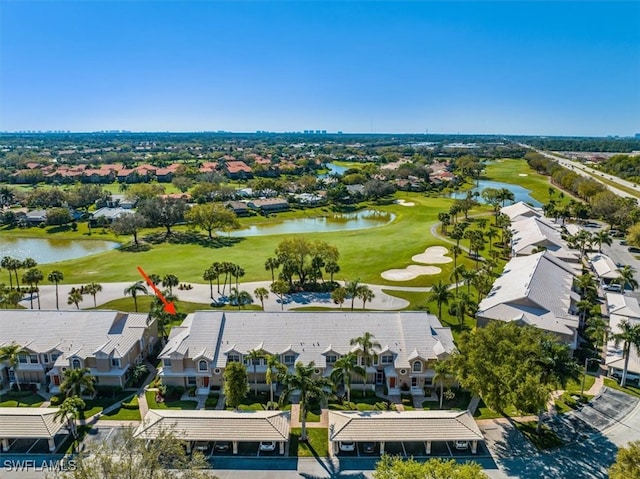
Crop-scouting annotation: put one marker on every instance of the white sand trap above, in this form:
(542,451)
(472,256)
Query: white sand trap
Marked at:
(523,174)
(410,272)
(404,203)
(433,255)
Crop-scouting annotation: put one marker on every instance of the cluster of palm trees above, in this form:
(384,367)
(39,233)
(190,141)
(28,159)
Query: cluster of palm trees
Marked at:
(226,270)
(584,240)
(352,290)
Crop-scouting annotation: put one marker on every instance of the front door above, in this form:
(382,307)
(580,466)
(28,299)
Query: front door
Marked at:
(392,382)
(56,380)
(206,381)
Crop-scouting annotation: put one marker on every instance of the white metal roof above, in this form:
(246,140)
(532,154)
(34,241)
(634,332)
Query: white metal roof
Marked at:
(603,265)
(520,209)
(403,426)
(533,232)
(205,425)
(25,422)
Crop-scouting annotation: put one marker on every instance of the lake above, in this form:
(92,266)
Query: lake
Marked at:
(333,168)
(46,250)
(520,193)
(336,222)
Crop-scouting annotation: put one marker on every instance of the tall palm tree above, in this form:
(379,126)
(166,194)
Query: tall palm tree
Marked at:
(602,237)
(441,294)
(338,295)
(275,370)
(261,294)
(456,273)
(352,290)
(629,336)
(309,385)
(271,265)
(468,275)
(7,195)
(597,329)
(443,370)
(6,263)
(331,268)
(169,281)
(343,371)
(627,277)
(75,297)
(209,275)
(55,277)
(218,269)
(585,282)
(238,271)
(32,277)
(133,290)
(9,354)
(255,356)
(68,411)
(365,294)
(367,344)
(77,381)
(93,289)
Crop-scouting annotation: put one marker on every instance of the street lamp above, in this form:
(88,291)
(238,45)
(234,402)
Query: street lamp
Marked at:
(587,361)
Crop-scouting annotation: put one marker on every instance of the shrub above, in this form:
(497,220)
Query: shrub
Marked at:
(131,404)
(108,391)
(212,401)
(192,391)
(55,400)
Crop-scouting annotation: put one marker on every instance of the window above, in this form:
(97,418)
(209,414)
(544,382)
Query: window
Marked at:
(417,366)
(203,365)
(375,360)
(166,363)
(233,358)
(289,358)
(428,382)
(191,381)
(386,359)
(33,358)
(22,358)
(331,358)
(115,362)
(255,362)
(75,364)
(54,357)
(414,382)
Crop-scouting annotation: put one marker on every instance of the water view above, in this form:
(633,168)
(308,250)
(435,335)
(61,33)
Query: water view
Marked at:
(333,168)
(337,222)
(45,250)
(520,193)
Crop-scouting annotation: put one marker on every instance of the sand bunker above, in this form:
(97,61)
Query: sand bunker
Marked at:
(404,203)
(433,255)
(410,272)
(523,174)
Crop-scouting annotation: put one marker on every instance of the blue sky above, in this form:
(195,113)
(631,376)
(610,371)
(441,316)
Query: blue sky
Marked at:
(506,67)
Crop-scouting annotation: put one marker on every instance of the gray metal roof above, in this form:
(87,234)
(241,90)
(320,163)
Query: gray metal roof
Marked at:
(25,422)
(403,426)
(530,233)
(520,210)
(72,333)
(205,425)
(603,265)
(213,334)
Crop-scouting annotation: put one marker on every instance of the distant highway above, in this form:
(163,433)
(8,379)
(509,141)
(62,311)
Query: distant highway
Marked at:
(588,172)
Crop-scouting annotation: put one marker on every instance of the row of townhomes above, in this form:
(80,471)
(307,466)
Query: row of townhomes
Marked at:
(410,344)
(109,343)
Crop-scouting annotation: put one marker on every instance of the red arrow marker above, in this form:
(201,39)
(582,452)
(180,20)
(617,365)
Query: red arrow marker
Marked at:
(168,307)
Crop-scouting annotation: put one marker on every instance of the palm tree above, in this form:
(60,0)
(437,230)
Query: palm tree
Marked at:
(441,294)
(32,277)
(218,269)
(238,272)
(627,277)
(68,411)
(331,268)
(352,290)
(468,275)
(261,294)
(10,354)
(240,297)
(93,289)
(280,288)
(505,194)
(55,277)
(75,297)
(367,343)
(209,275)
(133,290)
(629,335)
(139,372)
(584,283)
(602,237)
(275,370)
(344,369)
(6,263)
(169,281)
(77,381)
(455,275)
(597,330)
(310,386)
(254,356)
(338,295)
(443,369)
(7,196)
(271,265)
(365,294)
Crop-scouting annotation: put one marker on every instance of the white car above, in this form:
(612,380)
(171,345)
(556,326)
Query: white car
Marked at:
(268,446)
(347,446)
(201,446)
(461,445)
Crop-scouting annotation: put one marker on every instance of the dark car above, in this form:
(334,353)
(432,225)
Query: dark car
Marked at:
(369,447)
(222,446)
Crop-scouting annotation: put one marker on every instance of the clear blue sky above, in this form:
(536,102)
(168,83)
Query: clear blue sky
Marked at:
(504,67)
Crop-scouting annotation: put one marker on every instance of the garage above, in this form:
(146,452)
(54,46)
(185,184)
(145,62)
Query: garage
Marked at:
(33,427)
(221,432)
(409,433)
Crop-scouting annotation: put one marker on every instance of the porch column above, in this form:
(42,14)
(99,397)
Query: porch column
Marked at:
(281,447)
(188,447)
(235,447)
(333,447)
(381,448)
(474,447)
(52,444)
(5,445)
(428,447)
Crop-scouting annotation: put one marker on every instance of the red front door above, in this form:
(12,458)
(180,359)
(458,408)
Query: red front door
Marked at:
(56,380)
(206,381)
(392,382)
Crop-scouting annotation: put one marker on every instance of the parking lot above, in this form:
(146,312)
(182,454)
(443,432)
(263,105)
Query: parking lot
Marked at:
(413,449)
(33,446)
(213,449)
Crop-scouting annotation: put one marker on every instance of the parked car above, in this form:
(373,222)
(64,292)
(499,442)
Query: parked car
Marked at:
(461,445)
(201,446)
(369,447)
(632,378)
(268,446)
(634,249)
(613,287)
(347,446)
(222,446)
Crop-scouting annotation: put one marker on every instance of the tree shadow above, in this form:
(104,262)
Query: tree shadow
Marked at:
(192,237)
(58,229)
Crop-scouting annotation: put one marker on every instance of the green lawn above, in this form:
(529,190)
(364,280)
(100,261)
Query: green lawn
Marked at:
(317,444)
(613,384)
(20,399)
(94,406)
(144,304)
(151,402)
(129,411)
(546,439)
(485,412)
(574,387)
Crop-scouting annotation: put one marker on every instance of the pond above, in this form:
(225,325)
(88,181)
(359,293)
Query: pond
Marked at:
(333,168)
(520,193)
(335,222)
(46,250)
